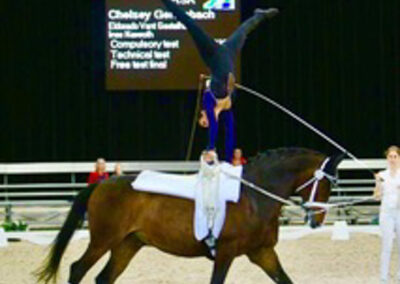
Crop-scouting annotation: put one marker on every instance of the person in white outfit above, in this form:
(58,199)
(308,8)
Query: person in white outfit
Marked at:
(209,175)
(388,191)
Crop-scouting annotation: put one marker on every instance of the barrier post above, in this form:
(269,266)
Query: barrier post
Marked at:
(3,238)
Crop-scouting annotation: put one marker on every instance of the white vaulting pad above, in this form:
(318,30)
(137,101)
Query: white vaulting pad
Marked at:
(189,187)
(184,186)
(167,184)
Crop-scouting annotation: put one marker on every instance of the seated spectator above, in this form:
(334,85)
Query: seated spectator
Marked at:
(118,170)
(238,158)
(100,173)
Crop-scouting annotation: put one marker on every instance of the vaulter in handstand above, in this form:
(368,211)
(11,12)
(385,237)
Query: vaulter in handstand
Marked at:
(220,59)
(217,98)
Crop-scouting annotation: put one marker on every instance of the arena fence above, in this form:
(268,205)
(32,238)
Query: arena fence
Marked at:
(41,193)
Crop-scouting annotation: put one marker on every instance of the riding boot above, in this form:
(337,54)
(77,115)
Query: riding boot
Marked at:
(211,243)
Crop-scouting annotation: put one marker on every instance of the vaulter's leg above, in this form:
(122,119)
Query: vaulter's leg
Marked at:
(209,103)
(236,41)
(209,176)
(268,261)
(121,255)
(230,137)
(205,44)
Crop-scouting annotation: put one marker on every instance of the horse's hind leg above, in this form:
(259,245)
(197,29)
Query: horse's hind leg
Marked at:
(267,259)
(89,258)
(119,260)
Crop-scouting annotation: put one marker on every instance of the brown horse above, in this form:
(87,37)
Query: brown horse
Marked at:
(122,220)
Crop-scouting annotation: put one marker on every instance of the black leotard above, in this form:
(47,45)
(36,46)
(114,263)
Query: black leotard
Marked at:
(219,58)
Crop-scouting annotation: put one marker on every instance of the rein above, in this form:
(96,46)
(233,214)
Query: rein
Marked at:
(305,123)
(317,175)
(261,190)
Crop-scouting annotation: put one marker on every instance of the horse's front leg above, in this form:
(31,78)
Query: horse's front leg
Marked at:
(222,264)
(267,259)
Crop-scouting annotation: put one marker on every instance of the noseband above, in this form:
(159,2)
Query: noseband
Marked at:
(319,175)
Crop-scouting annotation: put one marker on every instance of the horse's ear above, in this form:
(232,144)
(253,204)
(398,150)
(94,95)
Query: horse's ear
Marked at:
(333,163)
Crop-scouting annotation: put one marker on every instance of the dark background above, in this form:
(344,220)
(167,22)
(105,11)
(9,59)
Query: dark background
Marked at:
(174,77)
(334,62)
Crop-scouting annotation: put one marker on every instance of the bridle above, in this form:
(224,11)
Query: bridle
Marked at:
(319,175)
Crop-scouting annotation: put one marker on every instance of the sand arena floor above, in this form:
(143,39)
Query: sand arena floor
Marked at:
(311,259)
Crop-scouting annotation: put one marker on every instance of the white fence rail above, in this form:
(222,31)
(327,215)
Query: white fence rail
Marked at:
(48,198)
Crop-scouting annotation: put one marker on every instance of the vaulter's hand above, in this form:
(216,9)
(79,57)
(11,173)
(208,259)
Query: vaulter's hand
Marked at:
(203,120)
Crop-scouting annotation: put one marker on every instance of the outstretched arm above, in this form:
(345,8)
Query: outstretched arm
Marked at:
(236,41)
(204,43)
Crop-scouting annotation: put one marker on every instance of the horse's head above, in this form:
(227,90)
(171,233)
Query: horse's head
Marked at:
(314,186)
(285,171)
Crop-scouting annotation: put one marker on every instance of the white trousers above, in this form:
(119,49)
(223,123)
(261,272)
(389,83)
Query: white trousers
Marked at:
(389,221)
(210,186)
(209,177)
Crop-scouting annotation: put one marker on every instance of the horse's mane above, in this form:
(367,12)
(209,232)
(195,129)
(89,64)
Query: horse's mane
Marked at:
(274,155)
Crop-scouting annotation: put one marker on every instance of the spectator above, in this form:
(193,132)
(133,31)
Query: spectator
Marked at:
(238,159)
(100,173)
(388,191)
(118,170)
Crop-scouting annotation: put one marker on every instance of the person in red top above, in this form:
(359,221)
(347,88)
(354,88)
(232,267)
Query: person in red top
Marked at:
(100,173)
(238,159)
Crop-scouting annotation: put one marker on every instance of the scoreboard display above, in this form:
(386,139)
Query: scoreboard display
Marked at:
(149,49)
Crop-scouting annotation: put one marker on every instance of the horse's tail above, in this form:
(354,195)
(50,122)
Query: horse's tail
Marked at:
(49,269)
